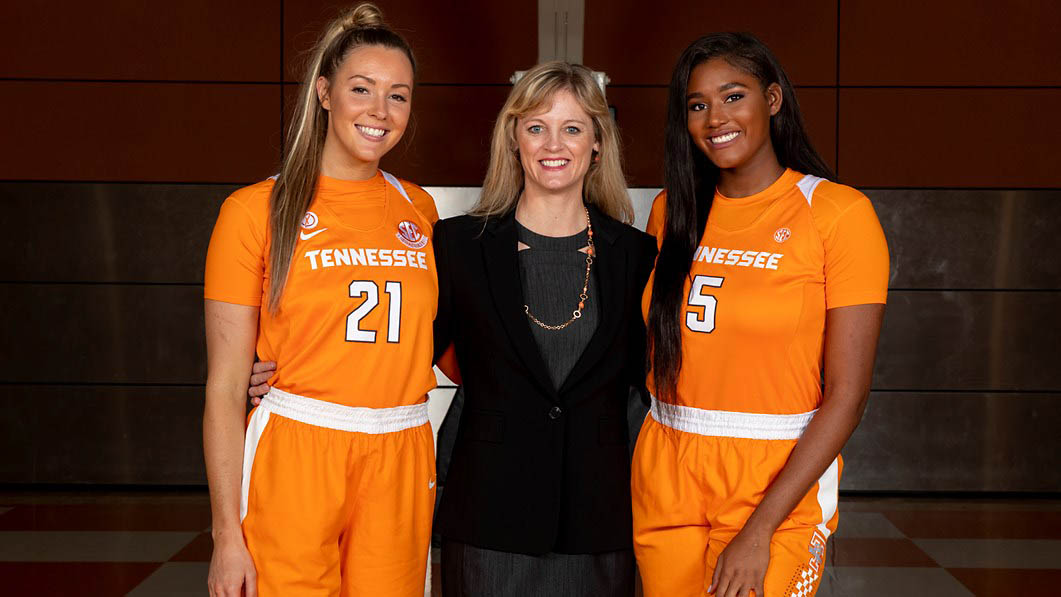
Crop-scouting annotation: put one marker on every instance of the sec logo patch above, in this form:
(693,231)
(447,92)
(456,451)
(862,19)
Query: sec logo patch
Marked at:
(782,235)
(309,221)
(410,235)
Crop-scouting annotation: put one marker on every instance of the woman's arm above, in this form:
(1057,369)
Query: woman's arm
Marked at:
(231,331)
(851,335)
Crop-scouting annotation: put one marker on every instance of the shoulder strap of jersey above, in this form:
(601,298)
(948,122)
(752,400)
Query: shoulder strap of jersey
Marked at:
(806,185)
(397,184)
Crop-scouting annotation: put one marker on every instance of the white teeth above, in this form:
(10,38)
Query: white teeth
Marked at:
(553,163)
(726,137)
(371,131)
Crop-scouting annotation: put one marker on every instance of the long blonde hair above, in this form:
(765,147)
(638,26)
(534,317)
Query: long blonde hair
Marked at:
(297,182)
(605,185)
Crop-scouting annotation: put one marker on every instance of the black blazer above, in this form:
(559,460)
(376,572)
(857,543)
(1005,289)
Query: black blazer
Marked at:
(535,469)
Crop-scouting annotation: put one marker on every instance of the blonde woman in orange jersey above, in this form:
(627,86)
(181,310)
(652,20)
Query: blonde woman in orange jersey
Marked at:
(766,269)
(328,270)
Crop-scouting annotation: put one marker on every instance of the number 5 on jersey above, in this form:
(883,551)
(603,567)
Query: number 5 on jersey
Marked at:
(697,298)
(370,290)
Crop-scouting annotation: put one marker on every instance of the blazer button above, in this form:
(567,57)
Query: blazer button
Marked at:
(555,412)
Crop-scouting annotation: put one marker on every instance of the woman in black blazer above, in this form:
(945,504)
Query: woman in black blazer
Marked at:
(540,292)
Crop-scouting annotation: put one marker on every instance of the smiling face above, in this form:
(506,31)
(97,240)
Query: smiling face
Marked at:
(729,114)
(368,102)
(556,145)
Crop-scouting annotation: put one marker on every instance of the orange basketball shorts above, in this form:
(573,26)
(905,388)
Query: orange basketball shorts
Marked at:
(698,475)
(338,500)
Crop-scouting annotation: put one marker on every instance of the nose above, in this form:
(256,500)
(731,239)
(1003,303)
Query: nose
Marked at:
(552,141)
(717,116)
(378,109)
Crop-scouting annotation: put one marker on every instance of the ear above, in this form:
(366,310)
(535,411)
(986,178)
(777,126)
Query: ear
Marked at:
(596,147)
(322,93)
(774,98)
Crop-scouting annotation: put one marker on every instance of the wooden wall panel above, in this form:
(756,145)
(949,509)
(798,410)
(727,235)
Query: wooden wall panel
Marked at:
(198,40)
(950,42)
(999,138)
(454,42)
(819,116)
(966,239)
(121,232)
(913,441)
(641,115)
(103,334)
(102,434)
(971,341)
(139,131)
(636,43)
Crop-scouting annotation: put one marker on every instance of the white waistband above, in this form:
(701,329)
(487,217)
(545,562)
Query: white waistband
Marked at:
(723,423)
(344,418)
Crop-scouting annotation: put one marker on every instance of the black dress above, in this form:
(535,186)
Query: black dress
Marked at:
(552,274)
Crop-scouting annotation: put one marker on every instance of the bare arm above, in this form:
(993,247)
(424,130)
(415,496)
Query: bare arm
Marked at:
(231,331)
(851,335)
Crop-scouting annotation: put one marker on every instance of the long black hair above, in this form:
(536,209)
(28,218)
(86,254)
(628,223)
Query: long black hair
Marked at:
(691,178)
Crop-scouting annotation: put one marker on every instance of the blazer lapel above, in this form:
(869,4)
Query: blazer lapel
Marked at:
(611,266)
(502,268)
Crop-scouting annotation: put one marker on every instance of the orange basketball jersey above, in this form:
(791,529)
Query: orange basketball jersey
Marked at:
(767,268)
(354,323)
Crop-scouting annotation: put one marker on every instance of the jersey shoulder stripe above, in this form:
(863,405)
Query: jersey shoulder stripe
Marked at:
(807,185)
(420,199)
(397,184)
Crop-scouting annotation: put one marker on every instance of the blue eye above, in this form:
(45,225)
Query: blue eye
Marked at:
(535,129)
(573,130)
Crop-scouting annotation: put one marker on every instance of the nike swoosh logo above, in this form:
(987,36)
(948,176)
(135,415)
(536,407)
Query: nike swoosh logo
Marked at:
(311,234)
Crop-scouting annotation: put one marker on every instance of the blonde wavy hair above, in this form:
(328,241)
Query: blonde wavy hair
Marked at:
(605,184)
(362,25)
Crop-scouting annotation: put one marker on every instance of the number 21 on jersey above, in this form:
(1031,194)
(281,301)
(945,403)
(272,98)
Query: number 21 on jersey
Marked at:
(370,291)
(699,298)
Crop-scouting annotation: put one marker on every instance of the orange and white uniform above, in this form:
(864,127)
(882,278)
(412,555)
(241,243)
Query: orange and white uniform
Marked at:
(767,268)
(338,474)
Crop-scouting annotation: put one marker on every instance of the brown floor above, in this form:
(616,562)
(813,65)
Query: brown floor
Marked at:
(147,543)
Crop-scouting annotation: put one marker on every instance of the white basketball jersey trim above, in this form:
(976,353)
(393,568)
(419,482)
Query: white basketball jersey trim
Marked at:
(828,492)
(393,180)
(255,428)
(807,184)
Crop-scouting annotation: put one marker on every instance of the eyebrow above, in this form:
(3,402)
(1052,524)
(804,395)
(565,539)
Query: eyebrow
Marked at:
(568,121)
(373,81)
(724,87)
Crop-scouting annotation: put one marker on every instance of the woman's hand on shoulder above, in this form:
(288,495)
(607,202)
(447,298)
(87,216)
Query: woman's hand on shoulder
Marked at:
(259,386)
(232,572)
(741,567)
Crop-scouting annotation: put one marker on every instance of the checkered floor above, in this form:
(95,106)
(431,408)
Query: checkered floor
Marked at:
(148,544)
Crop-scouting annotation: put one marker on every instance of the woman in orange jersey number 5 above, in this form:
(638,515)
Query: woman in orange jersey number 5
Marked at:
(329,272)
(766,269)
